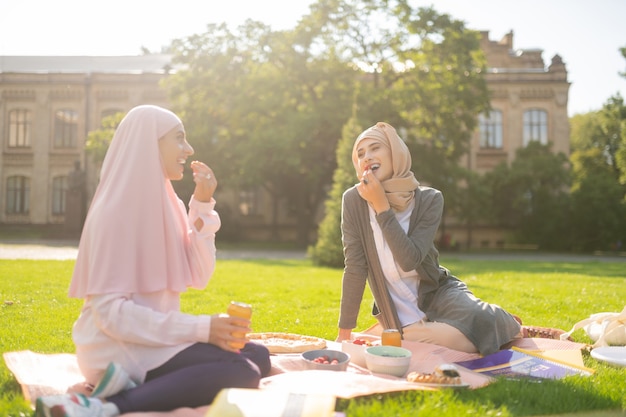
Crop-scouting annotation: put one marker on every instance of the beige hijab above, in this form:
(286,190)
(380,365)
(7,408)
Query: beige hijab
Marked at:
(400,188)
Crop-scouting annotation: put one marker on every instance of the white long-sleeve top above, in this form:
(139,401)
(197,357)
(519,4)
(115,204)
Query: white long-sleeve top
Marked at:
(143,331)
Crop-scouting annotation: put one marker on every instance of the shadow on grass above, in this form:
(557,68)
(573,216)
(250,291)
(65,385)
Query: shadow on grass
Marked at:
(599,269)
(533,397)
(525,397)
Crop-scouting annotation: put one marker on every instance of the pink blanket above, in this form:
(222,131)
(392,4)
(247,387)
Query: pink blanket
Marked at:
(46,374)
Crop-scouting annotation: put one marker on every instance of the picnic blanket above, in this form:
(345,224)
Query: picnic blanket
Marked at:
(48,374)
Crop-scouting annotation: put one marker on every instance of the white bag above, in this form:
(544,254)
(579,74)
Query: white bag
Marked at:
(605,329)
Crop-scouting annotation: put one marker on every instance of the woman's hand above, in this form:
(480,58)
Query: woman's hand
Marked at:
(372,191)
(222,328)
(205,181)
(344,334)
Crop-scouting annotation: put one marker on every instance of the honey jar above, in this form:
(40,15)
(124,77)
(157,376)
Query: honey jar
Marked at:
(241,310)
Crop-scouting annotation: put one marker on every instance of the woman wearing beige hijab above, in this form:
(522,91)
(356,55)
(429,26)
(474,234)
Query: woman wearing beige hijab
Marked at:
(389,223)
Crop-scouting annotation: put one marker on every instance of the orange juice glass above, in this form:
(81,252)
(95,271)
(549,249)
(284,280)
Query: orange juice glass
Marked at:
(391,337)
(242,310)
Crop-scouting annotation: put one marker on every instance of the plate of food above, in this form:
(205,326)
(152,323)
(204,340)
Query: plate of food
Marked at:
(444,376)
(279,342)
(615,355)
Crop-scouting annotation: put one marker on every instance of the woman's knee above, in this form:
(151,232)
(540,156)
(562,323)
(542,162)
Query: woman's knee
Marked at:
(441,334)
(259,355)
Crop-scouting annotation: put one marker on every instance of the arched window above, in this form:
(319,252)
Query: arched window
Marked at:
(490,128)
(18,195)
(535,126)
(19,128)
(65,128)
(59,187)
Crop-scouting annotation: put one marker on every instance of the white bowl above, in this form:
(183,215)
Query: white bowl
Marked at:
(342,358)
(356,351)
(390,360)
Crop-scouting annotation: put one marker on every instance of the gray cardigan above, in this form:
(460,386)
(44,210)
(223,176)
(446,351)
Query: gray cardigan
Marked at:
(442,297)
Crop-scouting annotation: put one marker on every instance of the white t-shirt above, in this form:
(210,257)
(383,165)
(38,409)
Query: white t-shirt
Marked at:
(403,286)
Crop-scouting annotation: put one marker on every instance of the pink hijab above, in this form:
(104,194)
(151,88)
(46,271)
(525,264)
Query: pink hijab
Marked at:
(400,188)
(135,235)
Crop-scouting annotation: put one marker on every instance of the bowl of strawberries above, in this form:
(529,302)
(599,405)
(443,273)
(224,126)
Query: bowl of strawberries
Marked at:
(326,360)
(355,347)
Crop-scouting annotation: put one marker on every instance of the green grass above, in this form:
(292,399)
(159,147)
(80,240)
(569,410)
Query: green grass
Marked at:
(295,296)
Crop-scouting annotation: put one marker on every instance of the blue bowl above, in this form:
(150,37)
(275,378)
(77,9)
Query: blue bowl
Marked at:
(342,357)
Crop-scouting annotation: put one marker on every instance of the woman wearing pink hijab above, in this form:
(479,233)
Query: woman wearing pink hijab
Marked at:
(138,252)
(389,223)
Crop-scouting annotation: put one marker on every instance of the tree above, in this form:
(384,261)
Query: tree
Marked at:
(422,72)
(271,110)
(269,106)
(530,195)
(328,250)
(598,211)
(98,141)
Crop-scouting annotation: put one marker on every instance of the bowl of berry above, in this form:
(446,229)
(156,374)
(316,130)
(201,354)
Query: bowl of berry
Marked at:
(326,360)
(356,348)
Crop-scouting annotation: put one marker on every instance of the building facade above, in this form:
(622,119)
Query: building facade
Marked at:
(48,105)
(529,103)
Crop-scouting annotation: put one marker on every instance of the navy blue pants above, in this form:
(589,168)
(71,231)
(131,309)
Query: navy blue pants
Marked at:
(194,376)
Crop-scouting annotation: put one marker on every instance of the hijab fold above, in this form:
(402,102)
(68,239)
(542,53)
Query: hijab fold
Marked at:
(135,234)
(400,188)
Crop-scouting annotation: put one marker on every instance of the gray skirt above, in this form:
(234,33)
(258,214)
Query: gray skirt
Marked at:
(487,326)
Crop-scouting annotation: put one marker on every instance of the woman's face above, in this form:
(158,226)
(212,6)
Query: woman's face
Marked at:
(175,150)
(374,155)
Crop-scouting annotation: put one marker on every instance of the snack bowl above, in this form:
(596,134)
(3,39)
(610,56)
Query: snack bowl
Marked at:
(310,358)
(390,360)
(357,350)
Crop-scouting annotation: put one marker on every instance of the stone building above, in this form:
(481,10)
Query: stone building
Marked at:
(529,103)
(48,105)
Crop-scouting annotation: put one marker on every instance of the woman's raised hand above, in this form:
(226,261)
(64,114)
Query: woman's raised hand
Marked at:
(205,181)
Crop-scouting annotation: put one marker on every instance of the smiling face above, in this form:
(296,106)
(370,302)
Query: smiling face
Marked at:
(174,150)
(374,155)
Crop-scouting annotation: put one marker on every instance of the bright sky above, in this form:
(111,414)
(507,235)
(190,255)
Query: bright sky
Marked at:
(586,34)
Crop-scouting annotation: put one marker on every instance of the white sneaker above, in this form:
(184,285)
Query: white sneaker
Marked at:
(68,405)
(114,380)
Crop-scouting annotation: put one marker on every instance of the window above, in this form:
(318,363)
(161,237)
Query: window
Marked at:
(65,128)
(248,202)
(490,128)
(19,128)
(59,187)
(18,191)
(535,126)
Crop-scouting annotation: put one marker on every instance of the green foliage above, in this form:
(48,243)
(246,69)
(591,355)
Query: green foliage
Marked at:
(98,141)
(303,298)
(266,108)
(598,208)
(530,196)
(598,193)
(266,111)
(328,250)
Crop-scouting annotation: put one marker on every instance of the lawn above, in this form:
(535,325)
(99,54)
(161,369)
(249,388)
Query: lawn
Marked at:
(295,296)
